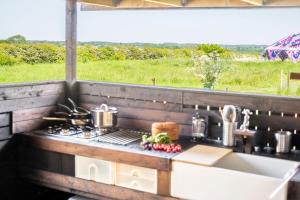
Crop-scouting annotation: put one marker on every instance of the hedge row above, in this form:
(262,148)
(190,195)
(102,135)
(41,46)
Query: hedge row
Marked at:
(33,53)
(12,53)
(88,53)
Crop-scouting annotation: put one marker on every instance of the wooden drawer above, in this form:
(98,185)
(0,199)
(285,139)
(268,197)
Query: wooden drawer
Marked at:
(138,178)
(5,133)
(94,169)
(4,119)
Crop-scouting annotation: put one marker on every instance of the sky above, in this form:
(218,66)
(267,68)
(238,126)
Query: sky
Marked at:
(45,20)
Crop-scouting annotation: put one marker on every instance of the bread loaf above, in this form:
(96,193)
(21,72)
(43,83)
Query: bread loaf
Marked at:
(171,128)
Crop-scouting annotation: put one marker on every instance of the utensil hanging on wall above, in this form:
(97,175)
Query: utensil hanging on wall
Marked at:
(76,108)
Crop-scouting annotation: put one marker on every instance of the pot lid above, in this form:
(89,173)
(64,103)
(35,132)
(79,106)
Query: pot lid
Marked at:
(283,133)
(105,108)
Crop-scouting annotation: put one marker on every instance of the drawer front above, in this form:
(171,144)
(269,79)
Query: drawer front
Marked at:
(5,133)
(94,169)
(4,119)
(138,172)
(138,178)
(137,184)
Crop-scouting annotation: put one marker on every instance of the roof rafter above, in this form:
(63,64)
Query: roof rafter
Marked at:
(102,3)
(254,2)
(92,5)
(174,3)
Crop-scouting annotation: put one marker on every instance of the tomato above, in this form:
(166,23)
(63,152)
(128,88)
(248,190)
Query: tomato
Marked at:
(158,147)
(179,148)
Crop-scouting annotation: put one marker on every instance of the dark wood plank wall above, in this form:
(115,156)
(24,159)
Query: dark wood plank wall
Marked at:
(29,102)
(141,105)
(21,109)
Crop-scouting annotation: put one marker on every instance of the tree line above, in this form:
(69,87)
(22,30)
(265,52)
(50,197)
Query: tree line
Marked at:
(17,49)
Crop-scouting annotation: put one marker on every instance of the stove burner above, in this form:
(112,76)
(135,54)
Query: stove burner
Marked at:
(112,135)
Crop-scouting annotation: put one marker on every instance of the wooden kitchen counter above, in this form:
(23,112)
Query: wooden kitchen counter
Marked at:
(131,154)
(40,163)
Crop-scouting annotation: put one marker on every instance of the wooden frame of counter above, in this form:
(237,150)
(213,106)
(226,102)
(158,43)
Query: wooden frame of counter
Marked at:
(162,165)
(84,187)
(92,151)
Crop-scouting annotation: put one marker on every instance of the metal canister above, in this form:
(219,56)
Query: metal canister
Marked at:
(283,141)
(229,114)
(228,133)
(199,126)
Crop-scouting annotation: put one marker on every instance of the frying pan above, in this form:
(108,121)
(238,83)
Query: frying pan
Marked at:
(74,122)
(76,108)
(74,115)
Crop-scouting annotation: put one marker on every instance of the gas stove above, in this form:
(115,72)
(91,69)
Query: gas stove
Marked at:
(85,132)
(111,136)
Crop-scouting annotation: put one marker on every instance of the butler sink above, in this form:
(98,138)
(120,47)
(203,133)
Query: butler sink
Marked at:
(256,176)
(235,176)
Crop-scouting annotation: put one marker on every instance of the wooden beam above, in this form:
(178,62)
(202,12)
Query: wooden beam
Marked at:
(294,76)
(71,39)
(254,2)
(93,5)
(47,179)
(102,3)
(73,147)
(172,3)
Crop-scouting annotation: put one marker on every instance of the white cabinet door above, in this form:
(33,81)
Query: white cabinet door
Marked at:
(138,178)
(94,169)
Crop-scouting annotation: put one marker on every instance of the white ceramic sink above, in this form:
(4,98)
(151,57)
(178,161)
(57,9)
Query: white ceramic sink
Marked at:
(235,176)
(259,165)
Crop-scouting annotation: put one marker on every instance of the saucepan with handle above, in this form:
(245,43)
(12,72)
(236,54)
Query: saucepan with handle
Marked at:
(104,116)
(74,122)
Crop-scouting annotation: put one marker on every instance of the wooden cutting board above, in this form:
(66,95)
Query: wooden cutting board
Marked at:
(202,155)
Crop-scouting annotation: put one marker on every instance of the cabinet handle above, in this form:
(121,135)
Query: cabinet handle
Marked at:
(134,173)
(135,184)
(93,171)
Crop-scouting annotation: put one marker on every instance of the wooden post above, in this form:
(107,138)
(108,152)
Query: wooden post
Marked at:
(281,80)
(288,81)
(71,40)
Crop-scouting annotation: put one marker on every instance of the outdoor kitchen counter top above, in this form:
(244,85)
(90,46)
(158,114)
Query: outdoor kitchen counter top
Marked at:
(129,154)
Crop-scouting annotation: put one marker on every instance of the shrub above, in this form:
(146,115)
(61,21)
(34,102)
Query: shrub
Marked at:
(206,49)
(207,68)
(34,53)
(87,53)
(6,59)
(134,53)
(106,53)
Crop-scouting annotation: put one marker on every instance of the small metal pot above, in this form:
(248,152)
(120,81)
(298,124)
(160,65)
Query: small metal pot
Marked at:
(104,116)
(283,141)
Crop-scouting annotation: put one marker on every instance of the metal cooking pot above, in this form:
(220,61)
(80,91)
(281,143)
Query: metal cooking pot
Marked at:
(104,116)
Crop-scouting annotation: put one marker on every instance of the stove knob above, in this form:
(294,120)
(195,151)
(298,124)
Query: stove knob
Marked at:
(50,130)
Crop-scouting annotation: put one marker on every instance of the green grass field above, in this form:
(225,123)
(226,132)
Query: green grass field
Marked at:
(256,77)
